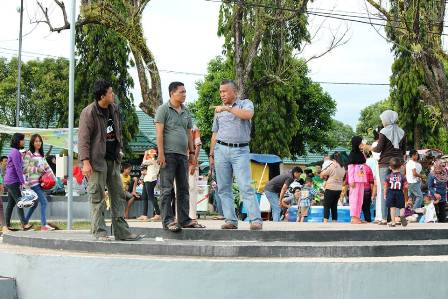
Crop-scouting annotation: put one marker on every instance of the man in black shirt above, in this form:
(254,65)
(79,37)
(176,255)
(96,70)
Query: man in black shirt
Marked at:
(276,188)
(99,145)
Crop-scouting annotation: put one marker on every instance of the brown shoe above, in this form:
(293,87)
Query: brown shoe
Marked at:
(256,226)
(229,226)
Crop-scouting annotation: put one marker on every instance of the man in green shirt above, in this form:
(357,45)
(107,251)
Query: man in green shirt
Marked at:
(175,148)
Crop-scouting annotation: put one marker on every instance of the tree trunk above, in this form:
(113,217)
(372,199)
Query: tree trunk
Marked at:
(149,105)
(239,55)
(417,136)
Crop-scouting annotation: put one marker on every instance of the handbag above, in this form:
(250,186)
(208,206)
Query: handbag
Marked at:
(47,181)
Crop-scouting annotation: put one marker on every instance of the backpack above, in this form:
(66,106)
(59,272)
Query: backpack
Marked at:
(359,173)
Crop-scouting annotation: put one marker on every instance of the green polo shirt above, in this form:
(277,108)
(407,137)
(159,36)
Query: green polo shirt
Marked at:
(175,138)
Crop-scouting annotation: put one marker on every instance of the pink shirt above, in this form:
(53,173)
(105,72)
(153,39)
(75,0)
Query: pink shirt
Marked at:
(369,176)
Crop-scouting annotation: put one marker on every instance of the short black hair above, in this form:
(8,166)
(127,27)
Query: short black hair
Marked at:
(295,189)
(125,166)
(173,86)
(296,169)
(336,156)
(100,88)
(3,158)
(15,140)
(229,82)
(308,179)
(308,171)
(412,152)
(395,163)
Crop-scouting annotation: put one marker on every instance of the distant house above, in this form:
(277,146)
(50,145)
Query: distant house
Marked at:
(143,140)
(309,159)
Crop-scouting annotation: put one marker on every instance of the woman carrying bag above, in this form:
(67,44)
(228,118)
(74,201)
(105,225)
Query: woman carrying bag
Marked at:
(35,167)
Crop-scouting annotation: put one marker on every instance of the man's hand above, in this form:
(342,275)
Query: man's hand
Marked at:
(161,160)
(219,109)
(87,168)
(192,159)
(192,169)
(352,185)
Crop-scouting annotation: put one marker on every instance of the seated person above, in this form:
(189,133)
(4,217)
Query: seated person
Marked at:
(126,179)
(293,199)
(306,199)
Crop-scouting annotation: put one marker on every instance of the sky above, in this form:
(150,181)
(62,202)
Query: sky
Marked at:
(182,36)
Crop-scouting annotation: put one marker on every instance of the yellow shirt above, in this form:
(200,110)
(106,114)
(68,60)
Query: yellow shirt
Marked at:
(125,180)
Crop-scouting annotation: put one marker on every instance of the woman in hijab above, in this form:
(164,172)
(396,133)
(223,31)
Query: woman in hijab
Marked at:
(391,144)
(437,185)
(356,177)
(372,162)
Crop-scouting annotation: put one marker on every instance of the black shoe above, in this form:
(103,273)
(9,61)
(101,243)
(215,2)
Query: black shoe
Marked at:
(132,237)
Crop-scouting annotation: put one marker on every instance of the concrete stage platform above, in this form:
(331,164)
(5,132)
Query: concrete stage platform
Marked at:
(276,240)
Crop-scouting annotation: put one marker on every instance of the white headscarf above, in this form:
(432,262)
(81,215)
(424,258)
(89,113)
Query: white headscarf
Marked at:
(391,129)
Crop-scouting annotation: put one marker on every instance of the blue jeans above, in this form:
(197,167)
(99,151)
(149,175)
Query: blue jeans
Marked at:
(275,205)
(415,191)
(218,203)
(230,162)
(43,206)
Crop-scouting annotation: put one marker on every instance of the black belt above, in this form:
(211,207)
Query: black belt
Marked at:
(232,144)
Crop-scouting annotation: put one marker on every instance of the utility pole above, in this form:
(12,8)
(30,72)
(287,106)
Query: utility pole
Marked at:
(19,67)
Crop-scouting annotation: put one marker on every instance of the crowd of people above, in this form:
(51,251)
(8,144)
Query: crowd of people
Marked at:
(382,174)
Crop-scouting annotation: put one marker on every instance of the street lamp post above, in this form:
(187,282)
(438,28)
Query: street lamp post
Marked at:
(19,67)
(71,99)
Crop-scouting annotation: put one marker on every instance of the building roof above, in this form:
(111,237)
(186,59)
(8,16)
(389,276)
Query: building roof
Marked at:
(146,137)
(311,158)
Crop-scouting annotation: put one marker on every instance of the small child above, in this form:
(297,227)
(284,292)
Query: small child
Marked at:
(396,191)
(429,210)
(293,199)
(306,198)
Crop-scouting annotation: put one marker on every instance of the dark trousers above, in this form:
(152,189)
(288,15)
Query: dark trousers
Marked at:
(440,210)
(149,199)
(14,195)
(176,168)
(2,220)
(367,201)
(331,198)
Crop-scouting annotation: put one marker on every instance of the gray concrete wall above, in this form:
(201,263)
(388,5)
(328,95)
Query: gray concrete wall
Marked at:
(47,276)
(57,209)
(7,288)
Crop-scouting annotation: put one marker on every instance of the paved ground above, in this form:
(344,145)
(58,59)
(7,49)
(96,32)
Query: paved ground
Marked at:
(293,226)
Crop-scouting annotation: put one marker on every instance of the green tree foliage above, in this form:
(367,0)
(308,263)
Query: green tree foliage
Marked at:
(292,113)
(44,92)
(8,91)
(416,27)
(104,54)
(208,91)
(370,118)
(406,99)
(289,116)
(341,134)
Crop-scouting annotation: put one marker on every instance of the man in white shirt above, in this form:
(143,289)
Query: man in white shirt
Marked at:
(413,177)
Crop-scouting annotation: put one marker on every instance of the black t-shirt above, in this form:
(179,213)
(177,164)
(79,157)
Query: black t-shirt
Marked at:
(111,138)
(275,185)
